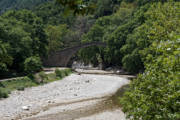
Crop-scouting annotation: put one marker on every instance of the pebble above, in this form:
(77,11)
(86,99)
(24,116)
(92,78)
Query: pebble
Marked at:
(25,107)
(41,96)
(87,81)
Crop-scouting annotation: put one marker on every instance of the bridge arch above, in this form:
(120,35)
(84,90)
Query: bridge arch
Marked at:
(61,58)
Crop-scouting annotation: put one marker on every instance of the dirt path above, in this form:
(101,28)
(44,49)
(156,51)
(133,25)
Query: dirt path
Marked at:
(77,97)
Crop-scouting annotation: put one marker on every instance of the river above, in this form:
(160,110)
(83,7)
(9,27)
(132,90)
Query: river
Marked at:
(76,97)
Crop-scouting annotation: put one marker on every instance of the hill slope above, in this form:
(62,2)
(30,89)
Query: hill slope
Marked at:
(19,4)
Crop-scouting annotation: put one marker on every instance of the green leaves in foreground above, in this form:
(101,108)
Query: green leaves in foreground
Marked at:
(155,94)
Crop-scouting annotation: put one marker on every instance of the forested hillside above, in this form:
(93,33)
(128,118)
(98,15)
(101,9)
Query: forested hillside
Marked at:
(19,4)
(44,29)
(142,37)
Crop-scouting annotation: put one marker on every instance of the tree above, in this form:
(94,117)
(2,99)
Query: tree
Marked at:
(5,59)
(77,6)
(110,29)
(22,36)
(56,37)
(32,64)
(154,94)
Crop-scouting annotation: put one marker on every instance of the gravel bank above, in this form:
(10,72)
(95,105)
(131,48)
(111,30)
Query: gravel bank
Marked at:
(61,98)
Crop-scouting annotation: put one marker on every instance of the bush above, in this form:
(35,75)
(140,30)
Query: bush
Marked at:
(59,73)
(3,93)
(40,77)
(62,73)
(154,95)
(132,62)
(1,85)
(32,64)
(20,88)
(67,72)
(51,77)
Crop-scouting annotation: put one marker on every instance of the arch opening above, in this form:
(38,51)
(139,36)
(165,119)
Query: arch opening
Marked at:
(61,58)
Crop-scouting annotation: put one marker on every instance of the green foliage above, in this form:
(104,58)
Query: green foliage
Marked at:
(62,73)
(3,93)
(77,6)
(51,77)
(56,35)
(62,30)
(19,4)
(21,37)
(154,95)
(43,75)
(106,7)
(40,78)
(5,59)
(54,14)
(155,28)
(140,35)
(59,73)
(132,62)
(32,64)
(67,72)
(110,29)
(6,87)
(18,84)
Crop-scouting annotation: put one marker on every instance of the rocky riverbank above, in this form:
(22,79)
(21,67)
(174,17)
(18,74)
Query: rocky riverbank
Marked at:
(81,97)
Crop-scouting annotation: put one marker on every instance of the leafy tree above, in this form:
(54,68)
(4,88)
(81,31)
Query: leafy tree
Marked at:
(5,59)
(56,36)
(106,7)
(19,4)
(77,6)
(54,14)
(155,28)
(32,64)
(148,96)
(154,94)
(22,36)
(113,30)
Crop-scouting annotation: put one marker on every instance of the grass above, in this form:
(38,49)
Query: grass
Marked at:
(6,87)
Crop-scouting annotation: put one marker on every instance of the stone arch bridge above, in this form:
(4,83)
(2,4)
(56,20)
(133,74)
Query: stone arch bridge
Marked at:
(62,57)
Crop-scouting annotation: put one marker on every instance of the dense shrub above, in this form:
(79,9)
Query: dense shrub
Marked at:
(154,95)
(5,59)
(22,36)
(67,72)
(32,64)
(59,73)
(3,93)
(62,73)
(40,77)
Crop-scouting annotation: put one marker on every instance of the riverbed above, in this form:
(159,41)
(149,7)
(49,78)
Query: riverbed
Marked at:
(76,97)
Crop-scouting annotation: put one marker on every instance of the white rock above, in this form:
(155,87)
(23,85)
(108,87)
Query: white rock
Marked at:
(25,107)
(38,97)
